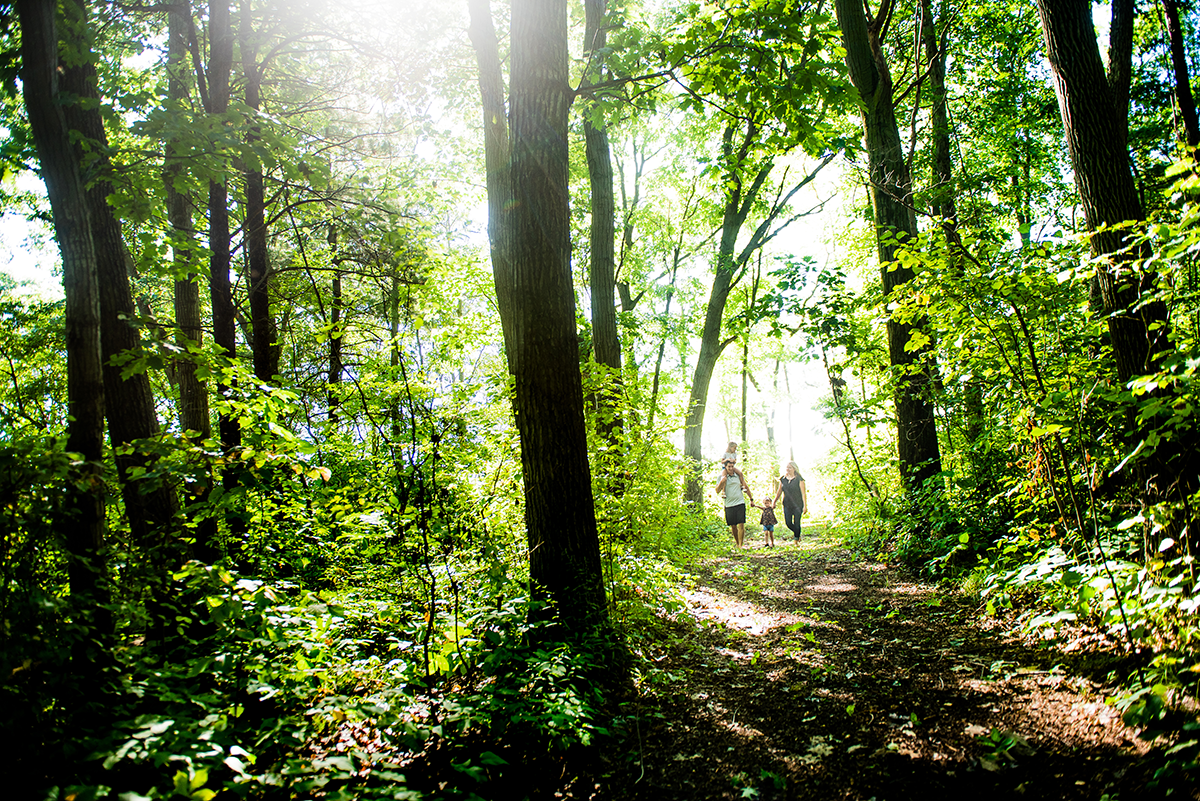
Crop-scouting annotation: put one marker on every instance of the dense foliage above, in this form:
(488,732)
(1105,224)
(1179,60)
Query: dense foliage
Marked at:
(339,604)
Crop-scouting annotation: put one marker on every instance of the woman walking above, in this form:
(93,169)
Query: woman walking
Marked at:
(795,498)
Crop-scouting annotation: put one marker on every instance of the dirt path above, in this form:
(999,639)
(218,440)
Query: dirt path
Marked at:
(812,675)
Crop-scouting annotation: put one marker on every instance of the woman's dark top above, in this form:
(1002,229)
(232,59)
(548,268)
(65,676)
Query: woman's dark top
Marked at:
(791,492)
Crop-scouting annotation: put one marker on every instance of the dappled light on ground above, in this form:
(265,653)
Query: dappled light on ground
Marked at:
(729,611)
(809,675)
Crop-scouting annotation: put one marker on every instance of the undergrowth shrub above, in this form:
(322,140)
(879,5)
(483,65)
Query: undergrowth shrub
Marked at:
(274,692)
(1150,612)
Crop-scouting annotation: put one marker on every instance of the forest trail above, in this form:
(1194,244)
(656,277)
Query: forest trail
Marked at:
(807,674)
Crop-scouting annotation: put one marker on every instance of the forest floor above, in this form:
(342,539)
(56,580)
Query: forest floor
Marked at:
(805,673)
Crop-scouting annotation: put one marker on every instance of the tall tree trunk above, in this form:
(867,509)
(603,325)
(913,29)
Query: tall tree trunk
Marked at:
(606,344)
(662,345)
(496,156)
(895,224)
(1183,83)
(746,346)
(530,237)
(543,351)
(396,427)
(1139,331)
(262,324)
(193,393)
(772,445)
(333,392)
(129,403)
(1106,187)
(944,193)
(1120,62)
(84,529)
(741,192)
(220,290)
(393,301)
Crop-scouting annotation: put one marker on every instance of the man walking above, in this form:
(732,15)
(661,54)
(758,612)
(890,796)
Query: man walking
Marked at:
(736,494)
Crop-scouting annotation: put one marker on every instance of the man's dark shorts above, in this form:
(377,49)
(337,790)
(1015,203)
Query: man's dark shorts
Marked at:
(735,514)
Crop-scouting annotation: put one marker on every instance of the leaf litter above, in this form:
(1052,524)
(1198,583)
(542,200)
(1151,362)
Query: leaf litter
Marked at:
(845,679)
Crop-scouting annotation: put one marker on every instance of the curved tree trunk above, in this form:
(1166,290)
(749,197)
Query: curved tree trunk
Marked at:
(741,192)
(711,347)
(84,527)
(129,403)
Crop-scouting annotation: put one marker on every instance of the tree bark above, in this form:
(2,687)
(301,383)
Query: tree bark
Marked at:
(333,392)
(1183,83)
(1139,331)
(193,393)
(220,290)
(496,151)
(741,192)
(129,403)
(262,324)
(1106,187)
(662,345)
(1120,62)
(606,344)
(564,552)
(945,205)
(895,224)
(84,527)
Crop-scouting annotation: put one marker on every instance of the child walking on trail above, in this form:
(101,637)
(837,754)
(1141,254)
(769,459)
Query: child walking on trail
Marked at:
(768,521)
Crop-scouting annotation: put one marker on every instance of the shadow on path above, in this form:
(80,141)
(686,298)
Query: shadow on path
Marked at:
(803,674)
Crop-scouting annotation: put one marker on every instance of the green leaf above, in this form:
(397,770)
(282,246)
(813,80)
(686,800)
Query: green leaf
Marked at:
(490,758)
(182,784)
